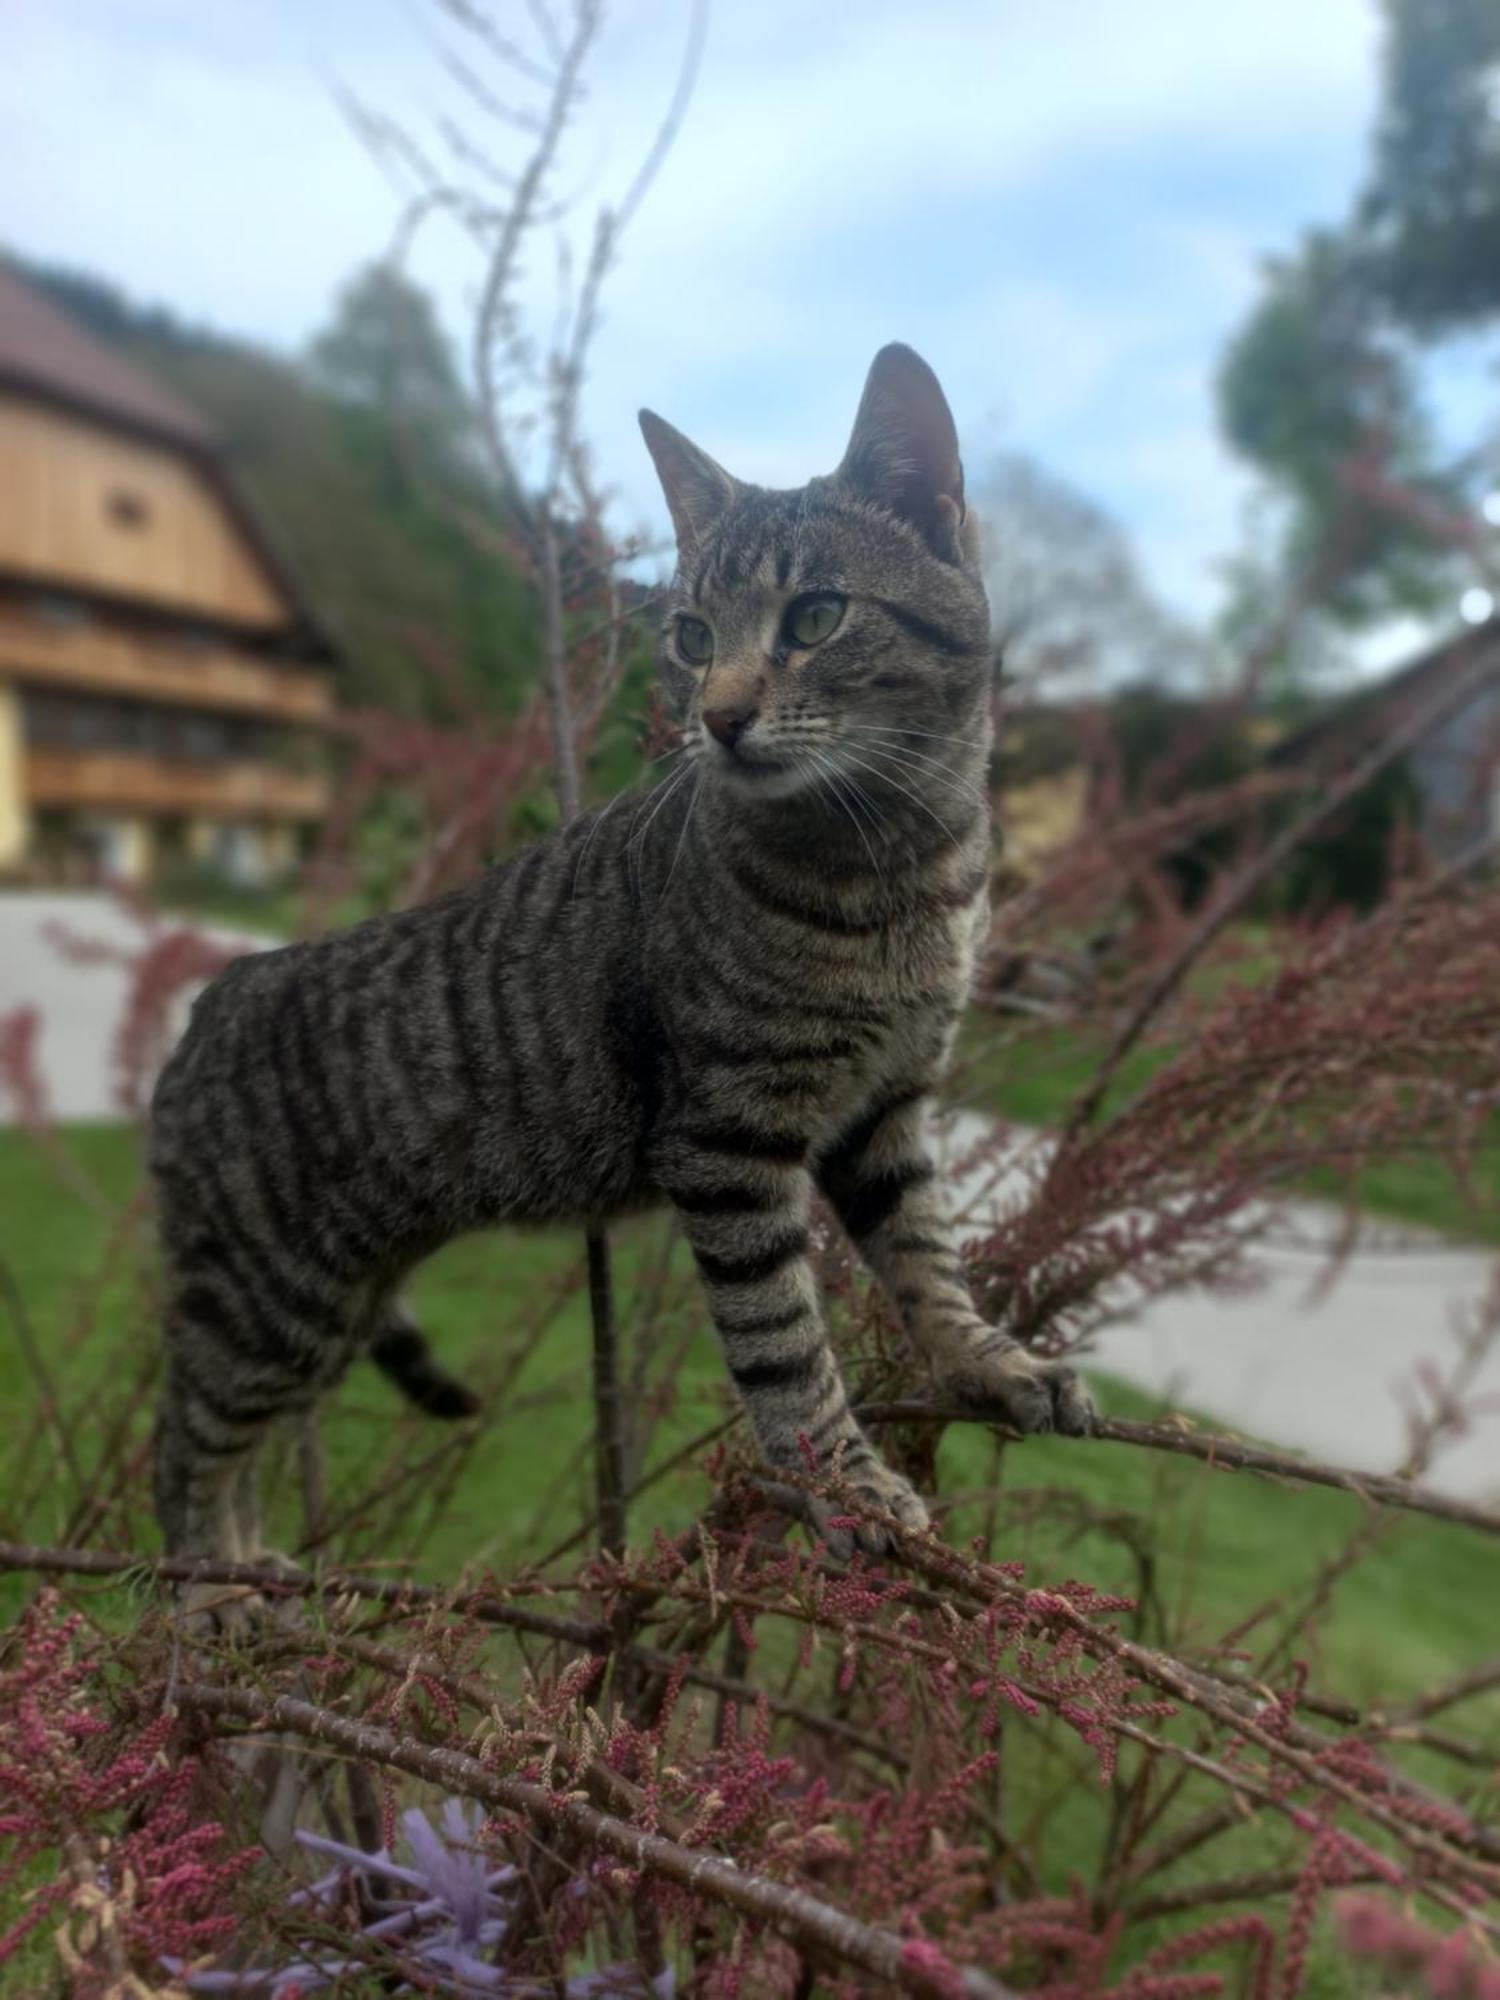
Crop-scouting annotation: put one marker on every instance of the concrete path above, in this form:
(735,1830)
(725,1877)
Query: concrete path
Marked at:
(1326,1377)
(79,1005)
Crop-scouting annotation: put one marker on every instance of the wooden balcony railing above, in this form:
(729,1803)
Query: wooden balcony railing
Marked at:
(117,781)
(111,659)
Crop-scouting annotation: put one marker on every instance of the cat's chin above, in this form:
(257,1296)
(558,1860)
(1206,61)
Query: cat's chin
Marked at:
(763,781)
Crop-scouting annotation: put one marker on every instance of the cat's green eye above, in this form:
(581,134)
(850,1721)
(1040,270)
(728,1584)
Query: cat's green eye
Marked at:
(811,620)
(695,641)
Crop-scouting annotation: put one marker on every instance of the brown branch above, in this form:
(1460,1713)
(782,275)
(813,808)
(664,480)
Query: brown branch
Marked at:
(1230,1455)
(813,1926)
(945,1568)
(1478,1680)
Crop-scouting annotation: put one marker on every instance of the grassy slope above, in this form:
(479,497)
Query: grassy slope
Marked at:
(1213,1545)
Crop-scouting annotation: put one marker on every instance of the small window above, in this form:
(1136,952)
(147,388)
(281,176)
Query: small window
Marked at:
(127,509)
(59,612)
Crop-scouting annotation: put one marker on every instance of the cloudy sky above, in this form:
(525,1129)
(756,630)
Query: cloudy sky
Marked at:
(1060,202)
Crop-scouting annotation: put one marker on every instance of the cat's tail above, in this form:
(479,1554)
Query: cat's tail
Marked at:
(400,1351)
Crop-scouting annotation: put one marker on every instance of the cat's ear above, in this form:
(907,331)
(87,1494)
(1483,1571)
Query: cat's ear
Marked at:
(698,490)
(903,450)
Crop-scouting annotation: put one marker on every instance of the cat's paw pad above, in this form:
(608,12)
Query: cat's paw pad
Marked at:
(1030,1396)
(876,1489)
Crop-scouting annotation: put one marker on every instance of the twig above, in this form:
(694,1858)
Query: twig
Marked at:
(1253,1888)
(1478,1680)
(1231,1455)
(31,1354)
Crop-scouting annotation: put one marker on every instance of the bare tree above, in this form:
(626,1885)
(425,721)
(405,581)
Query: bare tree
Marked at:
(524,84)
(1067,599)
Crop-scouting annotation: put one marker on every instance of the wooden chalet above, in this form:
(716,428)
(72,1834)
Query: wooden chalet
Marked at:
(163,685)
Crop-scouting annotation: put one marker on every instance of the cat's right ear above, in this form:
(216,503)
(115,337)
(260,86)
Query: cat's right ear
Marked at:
(903,451)
(698,490)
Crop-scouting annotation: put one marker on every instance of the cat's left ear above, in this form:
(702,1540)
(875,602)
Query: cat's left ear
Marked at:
(903,450)
(697,488)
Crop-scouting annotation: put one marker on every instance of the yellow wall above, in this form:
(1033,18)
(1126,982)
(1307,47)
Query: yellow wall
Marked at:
(135,848)
(14,827)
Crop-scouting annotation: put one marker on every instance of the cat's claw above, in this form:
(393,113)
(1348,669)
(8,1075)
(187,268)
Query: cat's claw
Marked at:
(1030,1396)
(876,1488)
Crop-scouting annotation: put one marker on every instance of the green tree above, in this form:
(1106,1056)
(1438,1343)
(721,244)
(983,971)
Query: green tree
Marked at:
(1322,384)
(1429,222)
(383,355)
(1316,383)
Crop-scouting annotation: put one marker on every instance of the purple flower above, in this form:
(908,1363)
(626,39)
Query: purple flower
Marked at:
(445,1913)
(451,1866)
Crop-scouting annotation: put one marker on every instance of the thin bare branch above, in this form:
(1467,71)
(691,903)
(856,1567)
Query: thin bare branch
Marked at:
(1230,1455)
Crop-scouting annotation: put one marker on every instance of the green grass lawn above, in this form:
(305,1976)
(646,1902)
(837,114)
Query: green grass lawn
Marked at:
(1220,1542)
(1197,1547)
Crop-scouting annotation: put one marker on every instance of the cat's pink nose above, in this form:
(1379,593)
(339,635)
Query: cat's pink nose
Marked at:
(729,724)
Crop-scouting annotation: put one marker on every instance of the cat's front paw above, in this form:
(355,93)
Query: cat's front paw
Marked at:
(227,1611)
(239,1612)
(1013,1388)
(871,1486)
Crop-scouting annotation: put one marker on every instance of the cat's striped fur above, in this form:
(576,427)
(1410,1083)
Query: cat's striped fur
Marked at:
(729,994)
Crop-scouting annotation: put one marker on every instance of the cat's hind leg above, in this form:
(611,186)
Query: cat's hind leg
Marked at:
(220,1397)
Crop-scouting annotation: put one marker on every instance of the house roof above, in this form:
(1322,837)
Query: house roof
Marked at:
(45,352)
(1379,702)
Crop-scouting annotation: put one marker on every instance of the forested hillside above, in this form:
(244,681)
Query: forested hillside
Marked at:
(358,457)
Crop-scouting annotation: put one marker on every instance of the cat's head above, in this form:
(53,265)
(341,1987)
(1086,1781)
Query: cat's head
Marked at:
(837,633)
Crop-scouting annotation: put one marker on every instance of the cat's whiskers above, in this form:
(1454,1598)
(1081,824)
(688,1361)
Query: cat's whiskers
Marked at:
(831,777)
(687,820)
(906,790)
(933,735)
(920,764)
(589,841)
(899,737)
(635,846)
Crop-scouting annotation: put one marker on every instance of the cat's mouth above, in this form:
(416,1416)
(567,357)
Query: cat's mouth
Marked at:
(751,768)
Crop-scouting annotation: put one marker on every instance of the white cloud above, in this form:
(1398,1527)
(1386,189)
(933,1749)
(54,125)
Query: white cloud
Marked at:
(1059,200)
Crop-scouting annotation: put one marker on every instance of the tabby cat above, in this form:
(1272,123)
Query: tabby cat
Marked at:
(729,995)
